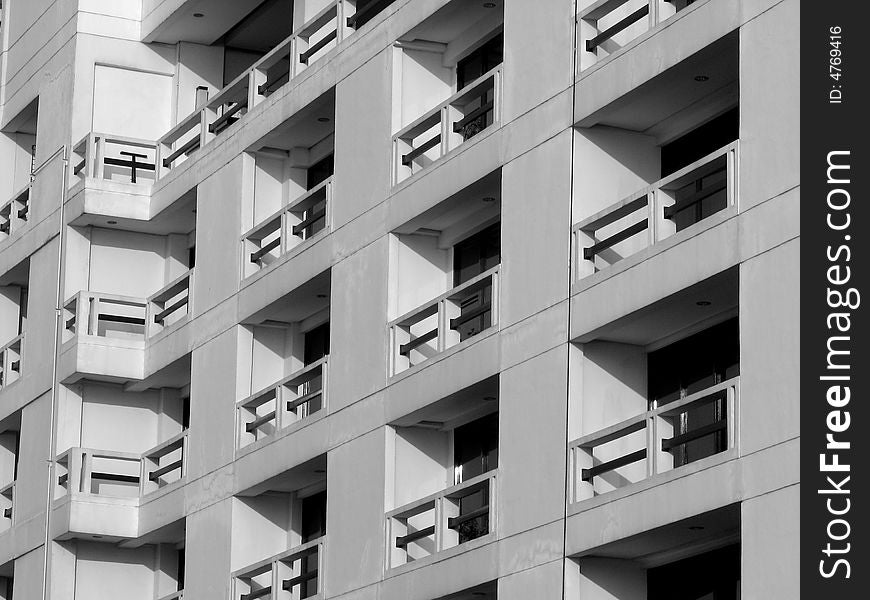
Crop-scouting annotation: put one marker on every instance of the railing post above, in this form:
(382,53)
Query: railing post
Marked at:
(446,130)
(731,175)
(256,78)
(99,165)
(87,466)
(93,320)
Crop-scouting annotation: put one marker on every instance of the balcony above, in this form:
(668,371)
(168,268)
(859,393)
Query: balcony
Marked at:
(670,205)
(300,221)
(10,361)
(464,115)
(312,41)
(435,326)
(14,213)
(290,575)
(659,438)
(169,306)
(7,504)
(121,474)
(439,521)
(106,157)
(607,26)
(288,401)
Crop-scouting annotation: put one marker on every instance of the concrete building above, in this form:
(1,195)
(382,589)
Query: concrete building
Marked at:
(399,300)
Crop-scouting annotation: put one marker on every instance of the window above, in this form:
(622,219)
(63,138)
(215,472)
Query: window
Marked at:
(485,58)
(475,452)
(471,257)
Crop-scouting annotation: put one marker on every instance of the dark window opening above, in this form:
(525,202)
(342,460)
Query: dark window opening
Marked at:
(185,413)
(320,171)
(700,142)
(191,257)
(180,554)
(482,60)
(313,527)
(316,343)
(475,452)
(471,257)
(710,576)
(692,365)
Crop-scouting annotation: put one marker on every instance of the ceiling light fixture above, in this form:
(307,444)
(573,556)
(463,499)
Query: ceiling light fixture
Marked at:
(489,4)
(703,303)
(198,15)
(323,119)
(696,528)
(701,78)
(488,198)
(111,222)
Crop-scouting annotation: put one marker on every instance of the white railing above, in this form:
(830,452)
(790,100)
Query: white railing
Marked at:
(164,463)
(114,158)
(179,595)
(10,361)
(283,576)
(104,315)
(608,25)
(169,305)
(287,401)
(466,113)
(439,324)
(7,504)
(121,474)
(299,221)
(307,44)
(655,213)
(653,442)
(15,212)
(438,522)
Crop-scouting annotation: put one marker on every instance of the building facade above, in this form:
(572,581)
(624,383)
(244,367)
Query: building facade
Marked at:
(399,300)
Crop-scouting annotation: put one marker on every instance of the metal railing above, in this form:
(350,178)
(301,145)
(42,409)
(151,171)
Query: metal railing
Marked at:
(439,324)
(439,521)
(7,504)
(287,401)
(653,214)
(608,25)
(15,212)
(444,128)
(104,315)
(299,221)
(169,305)
(283,576)
(114,158)
(306,45)
(164,463)
(653,442)
(10,361)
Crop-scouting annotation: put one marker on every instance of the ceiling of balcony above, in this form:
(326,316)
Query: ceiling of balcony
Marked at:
(218,17)
(688,311)
(298,478)
(685,96)
(453,19)
(305,128)
(303,302)
(472,402)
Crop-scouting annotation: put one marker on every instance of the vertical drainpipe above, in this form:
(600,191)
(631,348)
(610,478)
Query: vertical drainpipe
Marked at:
(62,151)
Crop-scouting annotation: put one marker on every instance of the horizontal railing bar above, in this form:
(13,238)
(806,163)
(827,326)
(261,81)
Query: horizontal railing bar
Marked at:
(465,318)
(257,594)
(173,288)
(470,117)
(292,554)
(405,349)
(617,27)
(614,432)
(600,8)
(454,522)
(260,421)
(676,407)
(114,477)
(256,256)
(379,4)
(317,22)
(120,162)
(408,158)
(291,404)
(161,316)
(404,540)
(269,84)
(224,118)
(610,465)
(613,213)
(697,197)
(452,292)
(314,218)
(158,473)
(190,146)
(182,127)
(591,251)
(305,56)
(301,375)
(14,341)
(289,584)
(164,448)
(695,434)
(110,318)
(690,168)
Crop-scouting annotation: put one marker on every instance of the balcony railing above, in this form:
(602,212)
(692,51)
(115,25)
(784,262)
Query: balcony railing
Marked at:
(293,224)
(104,315)
(179,595)
(114,158)
(291,575)
(169,305)
(608,25)
(10,361)
(366,13)
(287,401)
(7,502)
(654,442)
(284,62)
(15,212)
(440,521)
(657,212)
(443,322)
(121,474)
(446,127)
(164,464)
